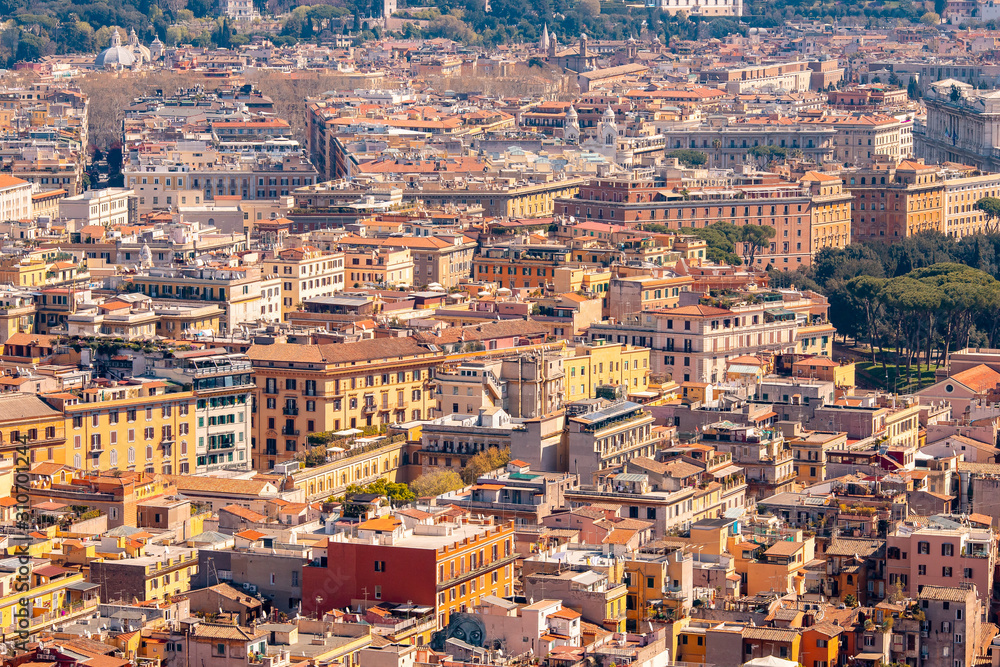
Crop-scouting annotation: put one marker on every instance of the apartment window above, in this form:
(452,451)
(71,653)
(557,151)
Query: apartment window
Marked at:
(967,573)
(947,549)
(380,566)
(220,650)
(923,547)
(378,592)
(945,571)
(290,384)
(922,570)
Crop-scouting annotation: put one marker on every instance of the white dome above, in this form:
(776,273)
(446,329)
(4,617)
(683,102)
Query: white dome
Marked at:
(115,56)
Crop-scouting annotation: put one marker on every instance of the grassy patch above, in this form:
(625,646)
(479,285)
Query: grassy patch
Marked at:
(872,376)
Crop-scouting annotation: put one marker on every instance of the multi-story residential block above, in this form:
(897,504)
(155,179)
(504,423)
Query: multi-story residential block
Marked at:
(390,267)
(764,455)
(442,259)
(30,422)
(954,616)
(860,137)
(961,192)
(53,595)
(894,201)
(810,449)
(604,434)
(727,143)
(597,370)
(101,208)
(158,574)
(15,199)
(599,599)
(657,582)
(49,167)
(216,174)
(275,571)
(516,265)
(629,295)
(138,426)
(808,215)
(525,385)
(303,389)
(446,566)
(116,494)
(693,343)
(237,290)
(305,273)
(944,553)
(223,388)
(517,493)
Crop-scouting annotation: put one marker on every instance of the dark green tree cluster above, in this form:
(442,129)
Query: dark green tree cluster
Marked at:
(915,300)
(938,306)
(689,157)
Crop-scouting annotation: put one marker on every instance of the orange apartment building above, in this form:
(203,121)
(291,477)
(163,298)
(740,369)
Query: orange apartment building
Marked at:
(895,201)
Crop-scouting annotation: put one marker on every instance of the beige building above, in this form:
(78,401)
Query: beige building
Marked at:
(444,259)
(960,196)
(860,137)
(305,273)
(392,267)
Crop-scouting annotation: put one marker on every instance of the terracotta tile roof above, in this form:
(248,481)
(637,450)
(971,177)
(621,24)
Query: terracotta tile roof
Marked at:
(698,311)
(383,523)
(363,350)
(978,378)
(770,634)
(220,631)
(619,536)
(784,548)
(566,613)
(848,547)
(252,535)
(222,486)
(244,513)
(945,593)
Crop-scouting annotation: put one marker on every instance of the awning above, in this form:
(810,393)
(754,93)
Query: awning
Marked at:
(727,471)
(869,656)
(82,586)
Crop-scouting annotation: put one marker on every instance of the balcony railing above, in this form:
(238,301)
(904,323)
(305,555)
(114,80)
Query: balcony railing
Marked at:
(289,431)
(289,411)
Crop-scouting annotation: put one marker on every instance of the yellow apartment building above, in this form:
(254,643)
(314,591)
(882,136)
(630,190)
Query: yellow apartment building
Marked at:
(23,271)
(388,267)
(29,420)
(50,598)
(306,272)
(809,450)
(303,389)
(129,427)
(588,367)
(656,583)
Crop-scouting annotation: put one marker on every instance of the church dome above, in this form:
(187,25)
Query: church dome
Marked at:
(140,52)
(115,56)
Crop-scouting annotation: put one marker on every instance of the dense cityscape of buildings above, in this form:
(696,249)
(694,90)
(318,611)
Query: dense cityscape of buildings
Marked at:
(434,375)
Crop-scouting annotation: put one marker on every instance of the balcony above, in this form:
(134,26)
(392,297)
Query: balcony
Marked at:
(289,431)
(369,408)
(271,451)
(289,411)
